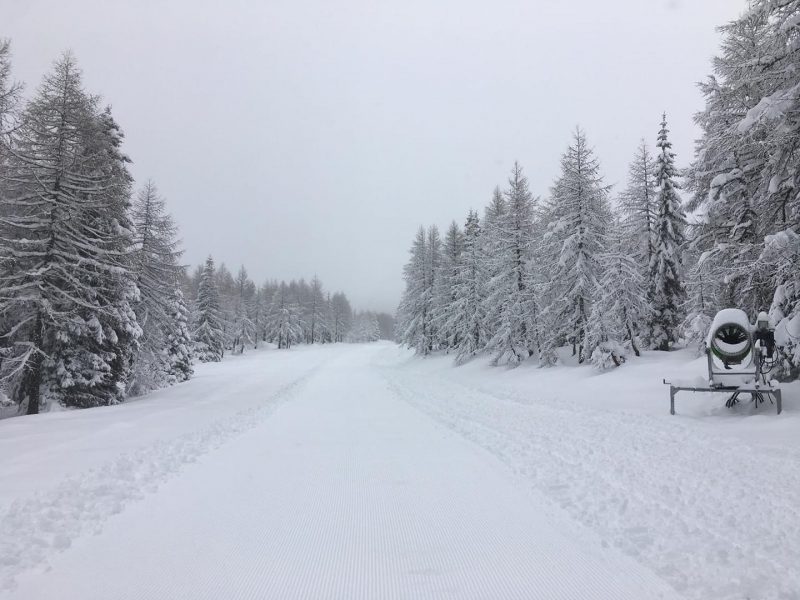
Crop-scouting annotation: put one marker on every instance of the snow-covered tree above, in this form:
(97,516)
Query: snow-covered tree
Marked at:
(637,207)
(666,264)
(512,289)
(578,219)
(467,313)
(285,322)
(157,271)
(316,314)
(341,316)
(365,328)
(244,330)
(209,338)
(415,316)
(444,288)
(178,348)
(9,99)
(621,310)
(491,235)
(69,324)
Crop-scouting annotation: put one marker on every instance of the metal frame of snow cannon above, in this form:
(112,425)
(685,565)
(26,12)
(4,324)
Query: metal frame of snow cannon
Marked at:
(752,376)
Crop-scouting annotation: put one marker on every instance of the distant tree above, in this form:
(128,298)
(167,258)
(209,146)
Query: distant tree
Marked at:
(208,334)
(244,332)
(341,316)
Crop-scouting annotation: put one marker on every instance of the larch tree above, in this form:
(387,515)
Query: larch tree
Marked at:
(637,208)
(316,317)
(69,326)
(244,330)
(341,317)
(621,310)
(467,313)
(579,218)
(490,246)
(511,287)
(444,289)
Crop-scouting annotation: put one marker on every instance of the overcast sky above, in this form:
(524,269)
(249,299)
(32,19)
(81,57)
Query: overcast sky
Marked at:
(315,136)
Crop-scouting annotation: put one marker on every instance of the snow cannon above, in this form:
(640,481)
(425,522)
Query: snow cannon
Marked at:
(740,358)
(729,346)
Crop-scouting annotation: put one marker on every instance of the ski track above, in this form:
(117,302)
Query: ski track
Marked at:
(710,515)
(348,492)
(33,529)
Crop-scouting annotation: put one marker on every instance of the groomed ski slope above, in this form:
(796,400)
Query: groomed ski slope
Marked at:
(360,471)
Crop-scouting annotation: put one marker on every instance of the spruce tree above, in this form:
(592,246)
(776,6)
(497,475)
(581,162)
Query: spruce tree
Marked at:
(209,338)
(666,264)
(179,342)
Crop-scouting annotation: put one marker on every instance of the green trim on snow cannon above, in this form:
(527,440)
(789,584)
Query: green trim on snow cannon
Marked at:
(731,344)
(739,360)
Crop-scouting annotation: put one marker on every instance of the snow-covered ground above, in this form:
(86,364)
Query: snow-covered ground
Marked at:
(360,471)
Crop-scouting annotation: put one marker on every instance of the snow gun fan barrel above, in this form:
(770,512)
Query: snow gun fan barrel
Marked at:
(738,357)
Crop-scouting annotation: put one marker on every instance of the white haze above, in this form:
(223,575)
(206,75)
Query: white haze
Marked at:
(303,137)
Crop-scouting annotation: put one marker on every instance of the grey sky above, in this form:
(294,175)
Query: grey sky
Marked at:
(315,136)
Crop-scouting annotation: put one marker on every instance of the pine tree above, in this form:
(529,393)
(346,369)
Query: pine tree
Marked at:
(66,250)
(208,334)
(666,264)
(578,220)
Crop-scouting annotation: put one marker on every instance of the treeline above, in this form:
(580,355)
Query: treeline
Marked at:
(608,278)
(95,304)
(233,313)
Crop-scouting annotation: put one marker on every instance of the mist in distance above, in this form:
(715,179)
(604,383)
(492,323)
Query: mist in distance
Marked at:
(302,138)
